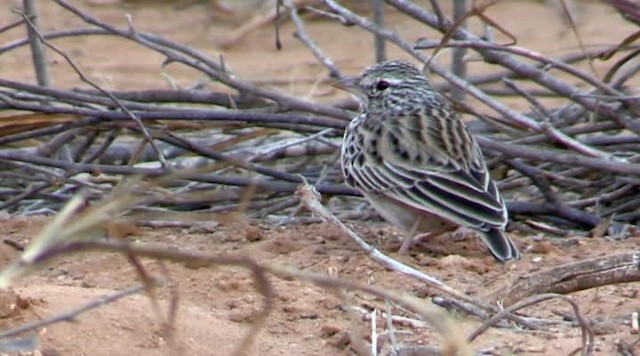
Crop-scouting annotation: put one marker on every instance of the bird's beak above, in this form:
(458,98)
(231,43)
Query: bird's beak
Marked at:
(346,83)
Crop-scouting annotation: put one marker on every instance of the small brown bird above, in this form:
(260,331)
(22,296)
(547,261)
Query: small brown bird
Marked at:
(415,161)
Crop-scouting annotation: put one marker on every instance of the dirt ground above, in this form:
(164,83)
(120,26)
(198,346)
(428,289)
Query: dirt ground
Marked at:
(217,306)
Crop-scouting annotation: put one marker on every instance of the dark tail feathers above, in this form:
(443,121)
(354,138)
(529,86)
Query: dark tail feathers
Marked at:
(500,245)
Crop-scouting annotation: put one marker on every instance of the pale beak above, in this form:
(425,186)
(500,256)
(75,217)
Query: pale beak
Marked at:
(346,83)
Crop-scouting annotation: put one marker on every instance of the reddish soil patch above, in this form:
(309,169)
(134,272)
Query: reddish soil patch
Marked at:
(217,306)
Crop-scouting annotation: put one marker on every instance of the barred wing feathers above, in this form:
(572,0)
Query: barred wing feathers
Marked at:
(439,174)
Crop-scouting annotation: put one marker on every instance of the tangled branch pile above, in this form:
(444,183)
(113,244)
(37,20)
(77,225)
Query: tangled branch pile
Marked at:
(573,165)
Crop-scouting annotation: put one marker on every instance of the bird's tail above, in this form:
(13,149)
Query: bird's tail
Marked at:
(500,245)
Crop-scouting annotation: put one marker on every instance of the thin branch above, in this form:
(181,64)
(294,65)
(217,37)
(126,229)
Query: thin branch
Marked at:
(71,315)
(30,16)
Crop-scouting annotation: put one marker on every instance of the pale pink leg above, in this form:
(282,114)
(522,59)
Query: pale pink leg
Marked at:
(409,240)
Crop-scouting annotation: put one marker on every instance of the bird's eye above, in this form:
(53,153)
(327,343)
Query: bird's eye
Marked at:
(382,85)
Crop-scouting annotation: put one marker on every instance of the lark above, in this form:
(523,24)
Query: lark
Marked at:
(413,158)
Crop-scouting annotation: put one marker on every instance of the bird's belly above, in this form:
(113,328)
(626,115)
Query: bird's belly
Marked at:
(405,217)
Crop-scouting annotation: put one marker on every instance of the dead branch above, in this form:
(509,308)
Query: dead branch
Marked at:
(310,198)
(573,277)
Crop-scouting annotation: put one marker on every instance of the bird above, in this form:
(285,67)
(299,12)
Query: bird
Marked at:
(412,157)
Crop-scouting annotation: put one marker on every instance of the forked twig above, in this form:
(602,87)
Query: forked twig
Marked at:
(310,198)
(588,336)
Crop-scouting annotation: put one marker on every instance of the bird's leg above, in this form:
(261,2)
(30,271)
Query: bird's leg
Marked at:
(408,240)
(461,233)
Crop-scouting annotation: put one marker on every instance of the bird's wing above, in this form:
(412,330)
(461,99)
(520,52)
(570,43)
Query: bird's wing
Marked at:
(439,170)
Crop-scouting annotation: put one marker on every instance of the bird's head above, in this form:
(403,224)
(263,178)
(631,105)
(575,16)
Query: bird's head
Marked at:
(386,84)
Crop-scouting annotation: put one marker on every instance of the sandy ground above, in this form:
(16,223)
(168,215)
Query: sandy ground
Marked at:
(217,306)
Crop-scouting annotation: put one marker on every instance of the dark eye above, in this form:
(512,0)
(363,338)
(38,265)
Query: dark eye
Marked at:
(382,85)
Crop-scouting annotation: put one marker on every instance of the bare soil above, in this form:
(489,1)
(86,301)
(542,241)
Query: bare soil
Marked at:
(217,306)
